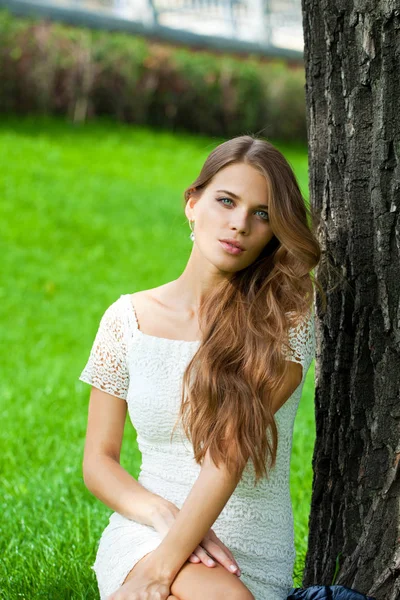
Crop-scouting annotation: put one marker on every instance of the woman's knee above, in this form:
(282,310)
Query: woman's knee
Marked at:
(243,594)
(196,581)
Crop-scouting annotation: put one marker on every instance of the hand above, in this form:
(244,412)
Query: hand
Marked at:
(210,546)
(145,584)
(216,549)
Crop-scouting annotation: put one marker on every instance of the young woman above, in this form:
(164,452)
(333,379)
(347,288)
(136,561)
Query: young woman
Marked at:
(210,367)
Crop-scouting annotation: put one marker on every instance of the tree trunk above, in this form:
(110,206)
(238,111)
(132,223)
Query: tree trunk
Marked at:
(352,62)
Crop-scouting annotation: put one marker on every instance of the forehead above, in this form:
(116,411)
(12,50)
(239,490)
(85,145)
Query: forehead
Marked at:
(243,180)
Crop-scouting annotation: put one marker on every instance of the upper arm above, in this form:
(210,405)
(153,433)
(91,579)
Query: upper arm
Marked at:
(107,372)
(299,357)
(292,381)
(105,426)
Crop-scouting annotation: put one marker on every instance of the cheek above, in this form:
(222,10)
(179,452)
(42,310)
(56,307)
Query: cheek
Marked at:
(212,215)
(265,239)
(259,247)
(208,224)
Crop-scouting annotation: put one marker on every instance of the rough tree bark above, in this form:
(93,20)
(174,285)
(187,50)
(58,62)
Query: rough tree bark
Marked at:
(352,61)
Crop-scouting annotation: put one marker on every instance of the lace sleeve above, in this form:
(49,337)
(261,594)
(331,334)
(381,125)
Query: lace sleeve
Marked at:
(106,368)
(302,343)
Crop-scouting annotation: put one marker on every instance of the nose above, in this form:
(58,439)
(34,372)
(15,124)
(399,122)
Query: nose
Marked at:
(240,223)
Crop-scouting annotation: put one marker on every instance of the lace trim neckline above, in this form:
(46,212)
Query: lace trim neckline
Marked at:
(147,335)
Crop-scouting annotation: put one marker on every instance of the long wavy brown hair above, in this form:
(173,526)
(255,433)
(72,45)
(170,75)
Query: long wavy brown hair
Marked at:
(238,367)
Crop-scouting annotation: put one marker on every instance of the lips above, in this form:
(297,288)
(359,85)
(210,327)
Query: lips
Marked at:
(233,243)
(230,248)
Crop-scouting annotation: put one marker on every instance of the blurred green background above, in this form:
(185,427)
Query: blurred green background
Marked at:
(88,212)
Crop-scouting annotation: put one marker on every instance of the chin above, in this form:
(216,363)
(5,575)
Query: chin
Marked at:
(229,269)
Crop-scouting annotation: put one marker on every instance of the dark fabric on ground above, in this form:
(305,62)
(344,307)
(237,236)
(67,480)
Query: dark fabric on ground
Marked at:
(327,592)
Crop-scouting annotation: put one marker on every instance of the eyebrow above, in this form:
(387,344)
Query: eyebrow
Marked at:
(239,198)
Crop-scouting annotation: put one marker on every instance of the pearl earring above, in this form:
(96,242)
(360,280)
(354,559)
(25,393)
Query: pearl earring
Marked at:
(191,236)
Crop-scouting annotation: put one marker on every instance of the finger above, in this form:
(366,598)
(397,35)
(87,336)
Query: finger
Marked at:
(228,552)
(216,539)
(223,556)
(204,557)
(193,558)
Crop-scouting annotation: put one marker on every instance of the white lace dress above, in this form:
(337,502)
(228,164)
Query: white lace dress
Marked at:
(257,522)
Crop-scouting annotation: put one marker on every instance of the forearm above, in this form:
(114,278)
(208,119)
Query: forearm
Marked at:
(204,503)
(115,487)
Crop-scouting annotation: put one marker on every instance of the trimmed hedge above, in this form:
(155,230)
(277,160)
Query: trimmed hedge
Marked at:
(55,68)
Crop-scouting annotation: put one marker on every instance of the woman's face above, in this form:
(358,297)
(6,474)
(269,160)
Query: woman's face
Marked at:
(233,205)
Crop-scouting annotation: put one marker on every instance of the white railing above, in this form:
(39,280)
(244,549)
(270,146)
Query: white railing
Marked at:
(259,25)
(268,22)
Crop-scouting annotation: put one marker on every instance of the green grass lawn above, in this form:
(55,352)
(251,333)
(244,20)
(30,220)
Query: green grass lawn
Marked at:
(87,213)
